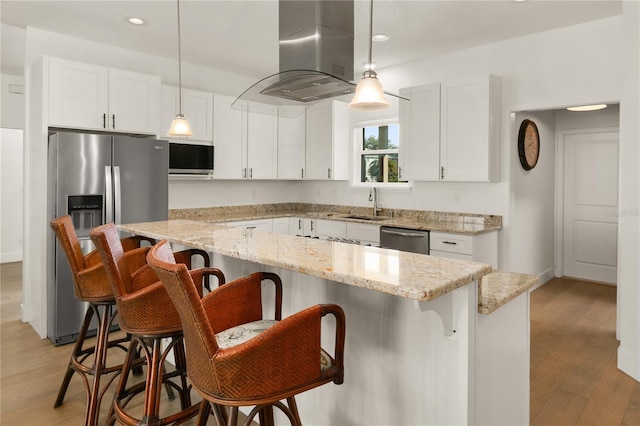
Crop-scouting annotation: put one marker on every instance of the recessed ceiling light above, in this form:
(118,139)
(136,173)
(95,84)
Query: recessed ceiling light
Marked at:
(588,107)
(380,37)
(136,21)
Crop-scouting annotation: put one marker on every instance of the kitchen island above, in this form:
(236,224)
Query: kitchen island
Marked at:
(412,323)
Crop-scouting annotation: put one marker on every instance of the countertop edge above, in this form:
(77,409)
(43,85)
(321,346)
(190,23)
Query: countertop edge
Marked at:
(499,288)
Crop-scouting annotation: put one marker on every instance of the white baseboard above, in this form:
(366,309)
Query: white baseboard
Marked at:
(628,362)
(543,278)
(12,256)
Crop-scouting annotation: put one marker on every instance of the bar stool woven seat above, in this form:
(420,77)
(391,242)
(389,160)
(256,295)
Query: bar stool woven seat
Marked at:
(91,285)
(147,313)
(275,364)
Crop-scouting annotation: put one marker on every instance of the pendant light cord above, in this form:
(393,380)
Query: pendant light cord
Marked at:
(179,63)
(370,33)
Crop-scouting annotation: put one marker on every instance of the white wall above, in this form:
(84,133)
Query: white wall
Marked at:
(12,107)
(532,218)
(11,195)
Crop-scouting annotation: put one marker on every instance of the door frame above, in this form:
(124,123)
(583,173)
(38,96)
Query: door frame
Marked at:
(559,210)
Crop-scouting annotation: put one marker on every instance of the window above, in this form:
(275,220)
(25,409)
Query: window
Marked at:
(378,153)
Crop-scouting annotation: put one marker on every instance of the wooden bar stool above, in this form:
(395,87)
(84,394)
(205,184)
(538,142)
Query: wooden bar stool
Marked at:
(233,360)
(91,285)
(147,313)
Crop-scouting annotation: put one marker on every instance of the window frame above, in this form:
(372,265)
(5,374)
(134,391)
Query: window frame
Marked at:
(358,152)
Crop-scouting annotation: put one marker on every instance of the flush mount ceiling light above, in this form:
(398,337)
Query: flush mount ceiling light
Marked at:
(179,126)
(369,93)
(380,37)
(588,107)
(135,21)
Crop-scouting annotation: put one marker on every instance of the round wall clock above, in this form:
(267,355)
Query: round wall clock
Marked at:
(528,144)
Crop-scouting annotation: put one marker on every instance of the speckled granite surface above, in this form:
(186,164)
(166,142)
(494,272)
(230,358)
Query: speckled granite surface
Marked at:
(409,275)
(459,223)
(499,288)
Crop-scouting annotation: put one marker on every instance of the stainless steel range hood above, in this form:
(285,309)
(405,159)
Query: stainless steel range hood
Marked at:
(316,55)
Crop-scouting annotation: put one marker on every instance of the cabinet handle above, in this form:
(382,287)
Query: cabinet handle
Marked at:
(400,173)
(329,172)
(251,173)
(312,226)
(302,173)
(442,172)
(450,242)
(104,121)
(299,224)
(244,173)
(113,120)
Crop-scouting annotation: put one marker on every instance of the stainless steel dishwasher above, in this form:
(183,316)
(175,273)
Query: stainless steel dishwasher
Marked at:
(404,239)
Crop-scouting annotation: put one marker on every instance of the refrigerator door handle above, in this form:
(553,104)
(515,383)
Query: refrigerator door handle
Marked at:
(108,195)
(117,193)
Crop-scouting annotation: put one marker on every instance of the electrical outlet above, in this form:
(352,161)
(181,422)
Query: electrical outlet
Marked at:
(456,197)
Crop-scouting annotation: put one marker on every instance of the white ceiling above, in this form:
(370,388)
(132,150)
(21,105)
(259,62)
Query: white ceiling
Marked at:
(242,36)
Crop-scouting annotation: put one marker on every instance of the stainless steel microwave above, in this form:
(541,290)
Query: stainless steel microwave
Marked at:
(190,159)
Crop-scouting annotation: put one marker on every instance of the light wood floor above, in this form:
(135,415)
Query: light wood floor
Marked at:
(31,370)
(574,379)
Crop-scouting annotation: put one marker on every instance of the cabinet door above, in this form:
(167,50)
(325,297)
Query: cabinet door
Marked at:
(169,109)
(332,228)
(134,102)
(465,139)
(281,225)
(420,133)
(319,142)
(78,94)
(291,147)
(262,141)
(197,107)
(228,129)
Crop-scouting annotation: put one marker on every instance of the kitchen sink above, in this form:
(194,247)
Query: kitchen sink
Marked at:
(373,218)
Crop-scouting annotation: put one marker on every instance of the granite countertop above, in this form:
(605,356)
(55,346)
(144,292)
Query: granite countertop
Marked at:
(458,223)
(499,288)
(414,276)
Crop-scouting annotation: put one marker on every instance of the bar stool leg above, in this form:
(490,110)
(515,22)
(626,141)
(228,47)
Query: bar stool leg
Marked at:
(77,348)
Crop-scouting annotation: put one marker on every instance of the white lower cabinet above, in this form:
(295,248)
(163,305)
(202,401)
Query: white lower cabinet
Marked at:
(263,224)
(477,248)
(365,234)
(331,228)
(303,227)
(281,225)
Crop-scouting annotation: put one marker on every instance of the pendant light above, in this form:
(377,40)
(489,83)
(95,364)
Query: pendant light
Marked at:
(369,93)
(179,126)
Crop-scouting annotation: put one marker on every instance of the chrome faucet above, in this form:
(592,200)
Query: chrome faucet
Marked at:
(373,196)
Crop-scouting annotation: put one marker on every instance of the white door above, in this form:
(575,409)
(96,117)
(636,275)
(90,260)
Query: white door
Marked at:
(590,206)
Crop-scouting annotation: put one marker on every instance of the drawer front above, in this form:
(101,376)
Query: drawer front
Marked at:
(331,228)
(451,243)
(450,255)
(363,232)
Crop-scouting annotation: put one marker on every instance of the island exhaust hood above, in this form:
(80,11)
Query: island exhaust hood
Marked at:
(316,56)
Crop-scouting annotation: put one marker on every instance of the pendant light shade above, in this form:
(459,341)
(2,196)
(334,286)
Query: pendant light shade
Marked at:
(179,126)
(369,93)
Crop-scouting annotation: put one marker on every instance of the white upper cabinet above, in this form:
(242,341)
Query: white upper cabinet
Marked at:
(86,96)
(228,136)
(470,130)
(451,131)
(327,141)
(420,133)
(291,147)
(245,142)
(262,142)
(197,108)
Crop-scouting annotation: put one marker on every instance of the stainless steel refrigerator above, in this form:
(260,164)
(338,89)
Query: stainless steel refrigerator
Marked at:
(96,179)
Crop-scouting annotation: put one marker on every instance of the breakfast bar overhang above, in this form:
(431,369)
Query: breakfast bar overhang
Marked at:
(413,354)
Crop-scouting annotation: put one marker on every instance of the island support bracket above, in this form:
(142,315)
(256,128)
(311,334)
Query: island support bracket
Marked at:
(443,306)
